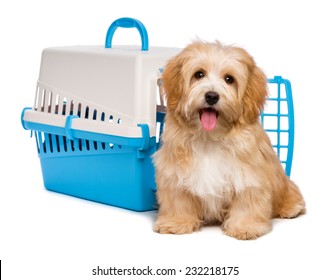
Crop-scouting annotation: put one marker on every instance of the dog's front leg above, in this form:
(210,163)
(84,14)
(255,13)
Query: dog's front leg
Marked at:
(250,214)
(179,212)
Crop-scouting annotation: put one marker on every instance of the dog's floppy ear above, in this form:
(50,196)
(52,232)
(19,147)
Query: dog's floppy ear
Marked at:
(173,81)
(255,95)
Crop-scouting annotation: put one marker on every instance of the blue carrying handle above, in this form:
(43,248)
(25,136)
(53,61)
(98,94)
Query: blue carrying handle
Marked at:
(128,23)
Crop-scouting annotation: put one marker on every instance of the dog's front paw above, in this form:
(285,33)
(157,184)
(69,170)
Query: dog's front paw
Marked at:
(175,226)
(246,231)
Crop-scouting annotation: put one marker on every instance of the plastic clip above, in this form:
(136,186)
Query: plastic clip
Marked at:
(67,128)
(145,140)
(22,117)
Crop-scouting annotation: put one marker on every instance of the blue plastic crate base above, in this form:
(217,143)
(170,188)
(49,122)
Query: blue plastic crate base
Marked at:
(113,174)
(115,179)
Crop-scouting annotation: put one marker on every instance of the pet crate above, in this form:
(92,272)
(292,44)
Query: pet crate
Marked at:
(94,119)
(96,123)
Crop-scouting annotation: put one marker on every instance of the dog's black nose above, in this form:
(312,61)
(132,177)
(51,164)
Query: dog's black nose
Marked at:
(211,97)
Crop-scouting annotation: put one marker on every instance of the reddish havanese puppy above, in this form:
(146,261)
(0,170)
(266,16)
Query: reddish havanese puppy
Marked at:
(216,163)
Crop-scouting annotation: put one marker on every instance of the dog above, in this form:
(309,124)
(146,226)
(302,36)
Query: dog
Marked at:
(216,163)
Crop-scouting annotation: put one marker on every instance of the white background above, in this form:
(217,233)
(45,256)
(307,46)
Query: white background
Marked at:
(44,235)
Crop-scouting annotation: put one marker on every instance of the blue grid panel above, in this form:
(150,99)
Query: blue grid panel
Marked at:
(277,119)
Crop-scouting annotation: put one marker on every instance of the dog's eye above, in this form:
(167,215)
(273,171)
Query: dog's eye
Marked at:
(199,75)
(229,79)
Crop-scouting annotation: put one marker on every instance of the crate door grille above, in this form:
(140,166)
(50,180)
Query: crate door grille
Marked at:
(278,120)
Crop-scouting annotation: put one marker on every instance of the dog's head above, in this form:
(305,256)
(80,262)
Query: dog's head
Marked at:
(212,86)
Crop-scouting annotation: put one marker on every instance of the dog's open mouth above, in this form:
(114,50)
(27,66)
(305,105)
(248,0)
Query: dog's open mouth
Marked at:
(208,117)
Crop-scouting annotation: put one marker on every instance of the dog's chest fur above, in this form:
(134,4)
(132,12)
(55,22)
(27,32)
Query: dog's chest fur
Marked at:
(215,176)
(214,170)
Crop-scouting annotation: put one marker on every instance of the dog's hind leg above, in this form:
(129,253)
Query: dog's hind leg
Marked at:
(291,202)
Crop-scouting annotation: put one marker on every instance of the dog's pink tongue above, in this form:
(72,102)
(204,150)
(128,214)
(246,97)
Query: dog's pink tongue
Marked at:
(209,120)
